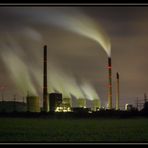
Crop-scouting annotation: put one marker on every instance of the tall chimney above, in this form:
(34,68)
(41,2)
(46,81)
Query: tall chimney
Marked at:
(117,91)
(109,83)
(145,97)
(45,94)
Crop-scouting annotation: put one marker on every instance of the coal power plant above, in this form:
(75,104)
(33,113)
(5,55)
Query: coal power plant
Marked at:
(96,104)
(81,103)
(56,102)
(33,103)
(73,74)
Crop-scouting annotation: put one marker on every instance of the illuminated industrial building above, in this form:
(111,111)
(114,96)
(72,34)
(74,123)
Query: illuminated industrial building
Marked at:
(65,106)
(33,103)
(129,107)
(81,103)
(55,100)
(96,104)
(59,104)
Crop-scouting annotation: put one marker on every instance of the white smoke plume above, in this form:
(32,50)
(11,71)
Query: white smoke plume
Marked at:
(73,20)
(27,77)
(14,57)
(89,91)
(83,25)
(31,33)
(18,72)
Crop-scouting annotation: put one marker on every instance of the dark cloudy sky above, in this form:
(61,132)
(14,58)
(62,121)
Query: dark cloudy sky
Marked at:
(24,31)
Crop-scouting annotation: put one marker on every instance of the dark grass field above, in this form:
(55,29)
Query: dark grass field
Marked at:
(73,130)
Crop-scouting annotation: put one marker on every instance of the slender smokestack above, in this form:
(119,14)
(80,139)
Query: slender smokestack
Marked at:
(45,97)
(145,97)
(117,92)
(109,83)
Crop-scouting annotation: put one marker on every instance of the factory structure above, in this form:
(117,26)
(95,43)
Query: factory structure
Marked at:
(55,102)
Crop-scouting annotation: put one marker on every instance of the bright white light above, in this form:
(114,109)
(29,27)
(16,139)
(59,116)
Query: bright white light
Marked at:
(63,109)
(126,106)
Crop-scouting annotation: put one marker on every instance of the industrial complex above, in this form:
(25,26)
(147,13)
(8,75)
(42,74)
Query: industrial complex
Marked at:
(55,102)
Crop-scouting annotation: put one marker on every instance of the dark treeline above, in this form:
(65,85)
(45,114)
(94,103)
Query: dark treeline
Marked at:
(80,114)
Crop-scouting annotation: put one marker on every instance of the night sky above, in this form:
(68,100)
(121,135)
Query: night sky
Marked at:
(73,58)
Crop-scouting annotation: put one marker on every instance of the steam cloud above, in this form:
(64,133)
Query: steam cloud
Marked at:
(83,25)
(18,72)
(75,21)
(29,77)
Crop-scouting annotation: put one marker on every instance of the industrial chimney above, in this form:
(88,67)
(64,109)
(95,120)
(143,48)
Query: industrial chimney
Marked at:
(117,91)
(45,94)
(109,83)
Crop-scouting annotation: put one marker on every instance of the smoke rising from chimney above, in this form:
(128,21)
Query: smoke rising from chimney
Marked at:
(79,23)
(29,76)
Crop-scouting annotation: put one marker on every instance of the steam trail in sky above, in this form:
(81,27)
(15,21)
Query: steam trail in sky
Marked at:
(83,25)
(62,82)
(19,72)
(28,77)
(14,57)
(59,81)
(32,34)
(75,21)
(89,91)
(23,75)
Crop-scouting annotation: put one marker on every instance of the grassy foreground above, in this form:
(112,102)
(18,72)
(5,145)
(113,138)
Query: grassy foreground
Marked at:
(73,130)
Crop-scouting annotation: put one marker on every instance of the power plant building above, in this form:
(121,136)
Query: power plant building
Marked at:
(67,102)
(12,106)
(33,104)
(81,103)
(55,100)
(96,104)
(66,105)
(128,107)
